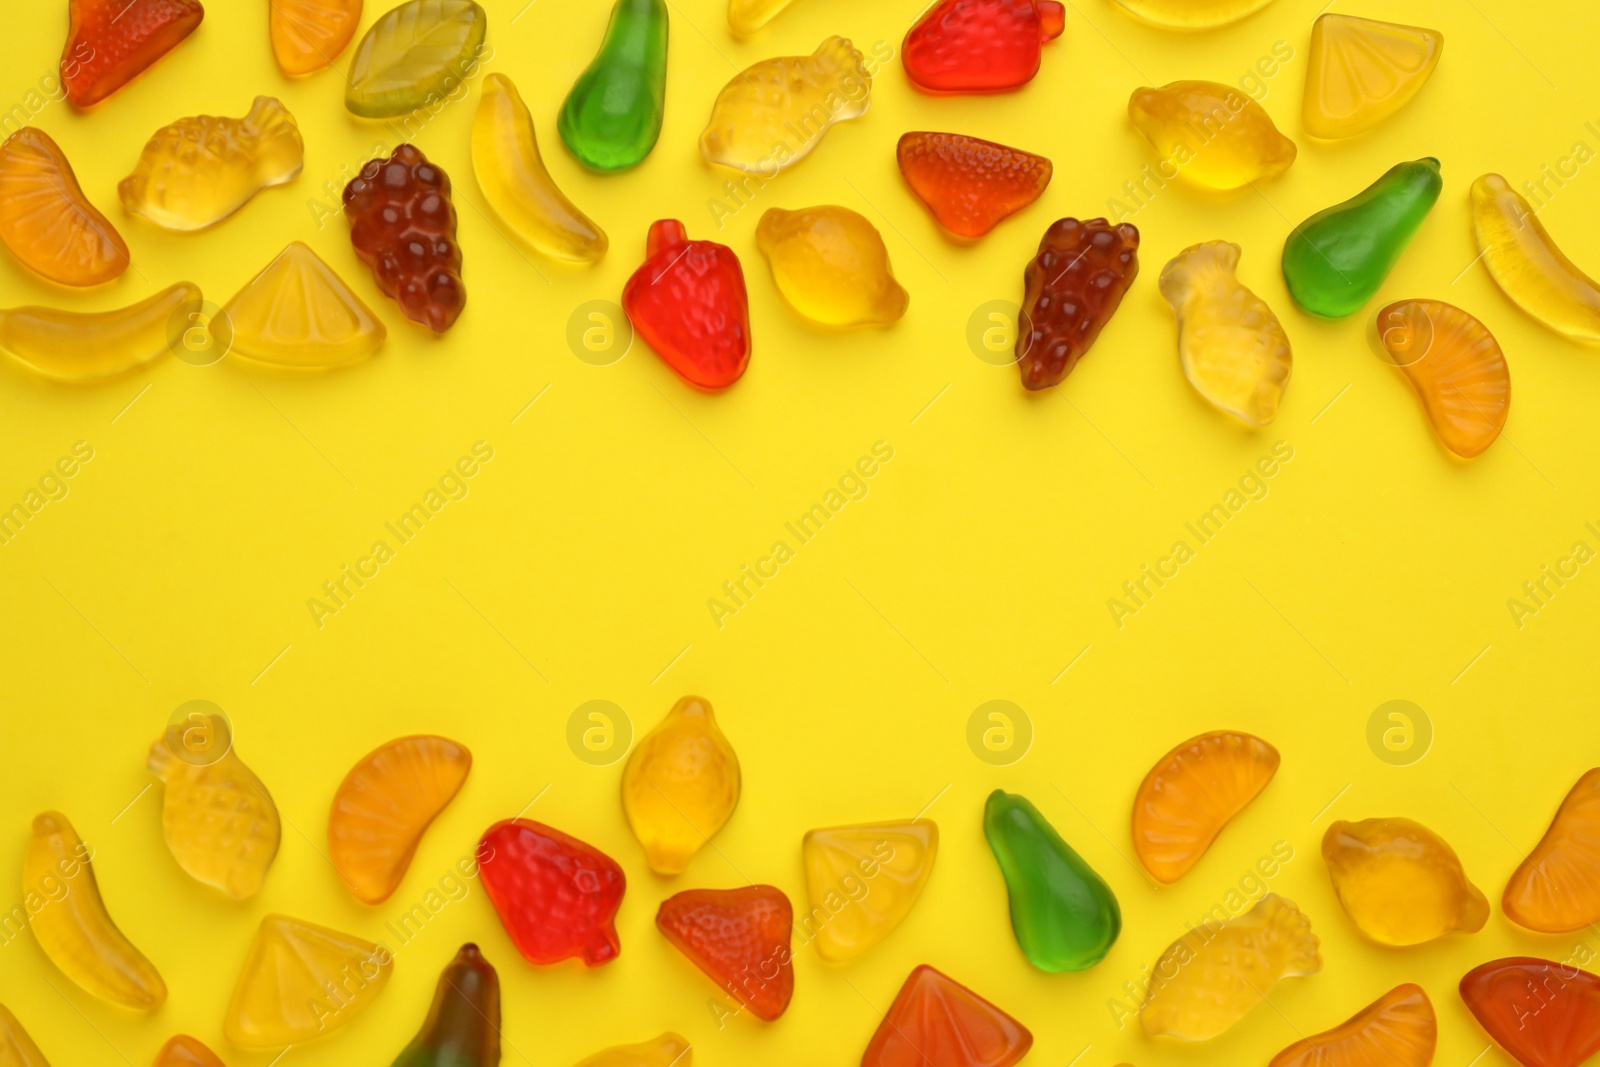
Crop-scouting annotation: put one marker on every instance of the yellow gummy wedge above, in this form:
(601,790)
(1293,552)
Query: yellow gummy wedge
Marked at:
(302,980)
(298,313)
(77,346)
(1362,71)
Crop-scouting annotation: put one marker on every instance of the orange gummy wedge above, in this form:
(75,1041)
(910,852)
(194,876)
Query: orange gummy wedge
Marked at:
(1557,888)
(1191,793)
(384,805)
(185,1051)
(47,222)
(1398,1029)
(308,35)
(1456,368)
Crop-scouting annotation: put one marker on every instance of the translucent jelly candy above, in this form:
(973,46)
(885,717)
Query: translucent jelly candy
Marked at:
(1557,888)
(831,266)
(1063,913)
(747,16)
(199,170)
(511,173)
(463,1025)
(1527,265)
(1335,261)
(1232,347)
(1191,14)
(385,804)
(1399,882)
(111,42)
(184,1051)
(892,860)
(76,346)
(1212,134)
(308,35)
(301,980)
(970,185)
(47,222)
(936,1021)
(298,313)
(1192,793)
(1070,291)
(688,302)
(1212,976)
(219,820)
(770,116)
(1456,368)
(612,117)
(1362,71)
(980,46)
(1543,1014)
(556,895)
(16,1047)
(738,937)
(1396,1030)
(403,226)
(413,56)
(666,1050)
(680,785)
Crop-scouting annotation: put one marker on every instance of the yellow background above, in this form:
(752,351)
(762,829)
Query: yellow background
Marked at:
(220,498)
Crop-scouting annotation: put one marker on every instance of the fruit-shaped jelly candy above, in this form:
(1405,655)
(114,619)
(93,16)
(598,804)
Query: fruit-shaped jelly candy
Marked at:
(1556,889)
(1063,913)
(747,16)
(831,266)
(1212,976)
(936,1021)
(556,895)
(298,313)
(47,222)
(219,820)
(308,35)
(980,46)
(520,191)
(612,117)
(1527,265)
(1192,793)
(970,184)
(111,42)
(770,116)
(199,170)
(79,346)
(680,785)
(1362,71)
(1456,368)
(403,226)
(688,302)
(1396,1030)
(863,880)
(181,1050)
(414,56)
(1071,288)
(16,1047)
(664,1050)
(463,1025)
(1335,260)
(385,804)
(1214,135)
(739,938)
(301,980)
(1542,1013)
(1190,14)
(1399,882)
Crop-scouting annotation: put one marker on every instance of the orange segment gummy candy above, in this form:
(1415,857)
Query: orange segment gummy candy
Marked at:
(969,184)
(47,222)
(308,35)
(1192,793)
(111,42)
(1396,1030)
(1456,368)
(1542,1013)
(1557,888)
(185,1051)
(936,1021)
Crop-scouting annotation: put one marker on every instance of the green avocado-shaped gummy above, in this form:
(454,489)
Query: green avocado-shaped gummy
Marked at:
(613,115)
(463,1026)
(1335,261)
(1063,913)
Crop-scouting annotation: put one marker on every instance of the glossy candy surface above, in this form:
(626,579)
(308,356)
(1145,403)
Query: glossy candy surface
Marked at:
(556,895)
(111,42)
(403,226)
(181,1050)
(300,981)
(298,313)
(1190,14)
(1454,365)
(47,222)
(79,346)
(936,1021)
(772,114)
(1399,882)
(308,35)
(891,860)
(1071,289)
(1213,134)
(1556,889)
(1362,71)
(612,117)
(1542,1013)
(680,785)
(688,302)
(1396,1030)
(664,1050)
(16,1047)
(463,1024)
(747,16)
(739,938)
(1192,793)
(415,55)
(831,266)
(969,184)
(1527,265)
(980,46)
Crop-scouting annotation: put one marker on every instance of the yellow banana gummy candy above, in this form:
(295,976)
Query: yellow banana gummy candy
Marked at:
(1212,976)
(666,1050)
(863,881)
(1528,266)
(79,346)
(219,820)
(16,1047)
(73,927)
(1233,349)
(512,175)
(747,16)
(1214,135)
(680,785)
(1399,882)
(302,980)
(298,313)
(831,266)
(773,114)
(1362,71)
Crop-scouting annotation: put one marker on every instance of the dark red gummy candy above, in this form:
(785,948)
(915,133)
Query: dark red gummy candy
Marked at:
(403,226)
(1070,291)
(556,895)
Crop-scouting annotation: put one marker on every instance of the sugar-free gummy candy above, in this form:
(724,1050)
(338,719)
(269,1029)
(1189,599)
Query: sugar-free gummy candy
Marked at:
(680,785)
(1454,365)
(298,313)
(185,1051)
(863,881)
(1542,1013)
(664,1050)
(1190,14)
(747,16)
(463,1024)
(612,117)
(79,346)
(771,115)
(1556,889)
(936,1021)
(1071,289)
(1214,134)
(308,35)
(556,896)
(1399,882)
(385,804)
(688,302)
(980,46)
(403,226)
(1192,793)
(301,980)
(1396,1030)
(831,266)
(414,56)
(16,1047)
(1362,71)
(969,184)
(111,42)
(47,222)
(1527,265)
(739,938)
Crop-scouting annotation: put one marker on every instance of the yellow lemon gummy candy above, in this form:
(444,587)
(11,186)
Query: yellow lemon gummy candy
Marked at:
(1362,71)
(1233,349)
(1399,882)
(1528,266)
(79,346)
(773,114)
(73,927)
(1212,134)
(298,313)
(680,785)
(831,266)
(667,1050)
(512,175)
(747,16)
(199,170)
(302,980)
(863,881)
(1190,14)
(1212,976)
(16,1047)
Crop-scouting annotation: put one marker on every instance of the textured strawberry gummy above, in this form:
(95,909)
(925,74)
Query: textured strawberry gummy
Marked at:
(689,303)
(1070,290)
(970,184)
(110,41)
(1544,1014)
(556,895)
(403,226)
(740,937)
(980,46)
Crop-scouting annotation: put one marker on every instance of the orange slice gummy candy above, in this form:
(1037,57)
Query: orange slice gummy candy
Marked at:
(1398,1029)
(47,222)
(111,42)
(308,35)
(1557,888)
(1191,794)
(384,805)
(185,1051)
(1456,368)
(1542,1013)
(969,184)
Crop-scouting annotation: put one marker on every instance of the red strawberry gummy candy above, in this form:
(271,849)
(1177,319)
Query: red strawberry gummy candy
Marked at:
(109,42)
(403,226)
(688,302)
(1543,1014)
(556,895)
(740,937)
(980,46)
(1070,291)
